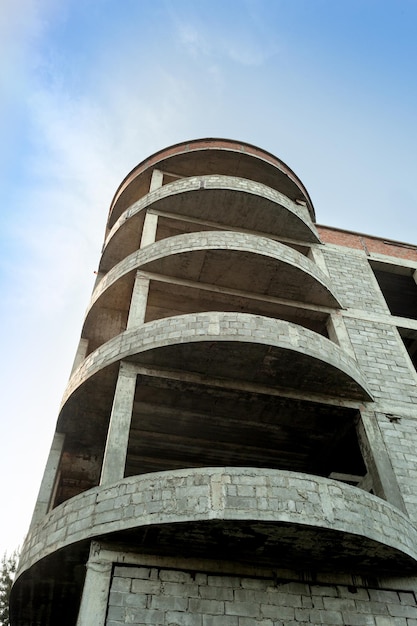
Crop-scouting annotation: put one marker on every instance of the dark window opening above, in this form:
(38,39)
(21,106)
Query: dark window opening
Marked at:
(409,338)
(399,289)
(77,473)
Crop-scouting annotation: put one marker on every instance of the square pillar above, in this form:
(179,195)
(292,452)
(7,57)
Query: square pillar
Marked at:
(377,460)
(80,354)
(138,301)
(118,434)
(156,180)
(93,608)
(150,224)
(49,479)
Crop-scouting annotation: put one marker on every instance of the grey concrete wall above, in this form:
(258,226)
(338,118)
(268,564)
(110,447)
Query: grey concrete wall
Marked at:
(353,279)
(400,438)
(382,358)
(158,596)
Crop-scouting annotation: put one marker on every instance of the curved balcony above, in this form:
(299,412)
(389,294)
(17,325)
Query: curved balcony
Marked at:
(223,200)
(250,348)
(284,518)
(210,156)
(245,262)
(237,262)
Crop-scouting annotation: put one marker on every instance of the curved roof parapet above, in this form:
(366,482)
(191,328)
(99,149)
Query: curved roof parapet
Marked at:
(210,156)
(306,520)
(240,346)
(232,260)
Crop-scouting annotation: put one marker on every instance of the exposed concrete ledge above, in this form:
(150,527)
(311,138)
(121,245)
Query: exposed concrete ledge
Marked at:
(280,516)
(257,265)
(248,347)
(250,205)
(229,155)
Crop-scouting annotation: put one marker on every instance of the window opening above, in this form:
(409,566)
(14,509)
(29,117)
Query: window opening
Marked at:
(409,338)
(398,288)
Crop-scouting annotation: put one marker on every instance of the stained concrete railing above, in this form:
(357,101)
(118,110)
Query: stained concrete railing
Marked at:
(231,154)
(261,266)
(286,512)
(248,347)
(250,205)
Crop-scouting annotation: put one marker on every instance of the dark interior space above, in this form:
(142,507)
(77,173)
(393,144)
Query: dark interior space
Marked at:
(399,290)
(178,425)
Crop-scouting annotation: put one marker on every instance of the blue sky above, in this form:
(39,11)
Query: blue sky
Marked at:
(89,89)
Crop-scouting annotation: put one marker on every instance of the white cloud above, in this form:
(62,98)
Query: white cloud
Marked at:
(192,37)
(235,34)
(22,25)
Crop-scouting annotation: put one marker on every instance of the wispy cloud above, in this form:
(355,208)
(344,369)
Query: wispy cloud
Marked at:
(226,35)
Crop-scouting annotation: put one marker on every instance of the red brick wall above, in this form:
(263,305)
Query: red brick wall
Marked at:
(367,243)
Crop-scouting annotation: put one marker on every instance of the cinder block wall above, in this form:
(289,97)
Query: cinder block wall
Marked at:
(150,595)
(378,347)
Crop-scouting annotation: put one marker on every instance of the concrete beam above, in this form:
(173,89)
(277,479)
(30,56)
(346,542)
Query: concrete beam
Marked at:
(245,386)
(236,229)
(173,280)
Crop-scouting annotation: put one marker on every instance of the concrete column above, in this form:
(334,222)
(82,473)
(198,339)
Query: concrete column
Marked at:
(338,333)
(316,255)
(149,229)
(138,301)
(99,276)
(377,460)
(156,180)
(47,487)
(96,590)
(80,354)
(118,434)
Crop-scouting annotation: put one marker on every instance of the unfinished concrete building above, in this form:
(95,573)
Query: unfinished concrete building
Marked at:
(237,441)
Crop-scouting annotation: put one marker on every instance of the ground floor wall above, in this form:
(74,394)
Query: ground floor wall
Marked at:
(141,589)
